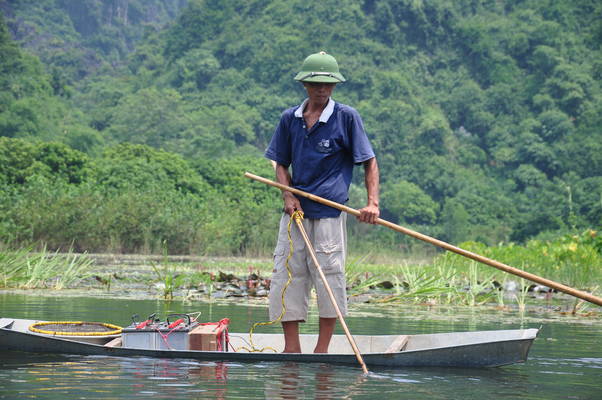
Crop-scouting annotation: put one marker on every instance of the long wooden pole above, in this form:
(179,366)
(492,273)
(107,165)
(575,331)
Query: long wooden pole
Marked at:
(312,253)
(496,264)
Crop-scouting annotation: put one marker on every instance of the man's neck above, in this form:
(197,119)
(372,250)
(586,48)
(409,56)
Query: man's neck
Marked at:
(315,107)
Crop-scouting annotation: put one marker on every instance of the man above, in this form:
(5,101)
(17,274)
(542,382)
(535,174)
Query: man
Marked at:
(321,140)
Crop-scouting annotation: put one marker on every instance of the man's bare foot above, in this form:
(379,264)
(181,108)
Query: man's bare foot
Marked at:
(291,350)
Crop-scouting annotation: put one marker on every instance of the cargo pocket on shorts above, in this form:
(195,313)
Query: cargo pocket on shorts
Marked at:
(331,257)
(279,272)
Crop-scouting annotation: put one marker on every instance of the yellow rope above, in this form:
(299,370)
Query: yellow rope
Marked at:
(116,329)
(254,349)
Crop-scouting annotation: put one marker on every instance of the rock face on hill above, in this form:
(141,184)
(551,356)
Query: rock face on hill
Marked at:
(88,34)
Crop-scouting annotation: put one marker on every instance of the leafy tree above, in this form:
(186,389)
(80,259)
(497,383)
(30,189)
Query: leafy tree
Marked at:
(455,221)
(149,116)
(487,113)
(16,159)
(20,160)
(407,202)
(139,166)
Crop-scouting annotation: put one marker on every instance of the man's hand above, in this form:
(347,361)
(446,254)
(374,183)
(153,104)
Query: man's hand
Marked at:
(291,203)
(369,214)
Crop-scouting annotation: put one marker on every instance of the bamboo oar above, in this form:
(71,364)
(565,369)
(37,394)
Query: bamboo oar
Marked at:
(312,253)
(496,264)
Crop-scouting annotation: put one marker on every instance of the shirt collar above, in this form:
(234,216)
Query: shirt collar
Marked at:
(326,113)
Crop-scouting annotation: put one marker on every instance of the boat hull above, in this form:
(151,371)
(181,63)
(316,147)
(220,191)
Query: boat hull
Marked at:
(506,347)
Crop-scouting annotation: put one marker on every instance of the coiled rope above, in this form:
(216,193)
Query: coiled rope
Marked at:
(76,325)
(253,348)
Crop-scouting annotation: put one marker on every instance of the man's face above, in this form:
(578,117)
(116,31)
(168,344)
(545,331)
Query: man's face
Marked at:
(319,92)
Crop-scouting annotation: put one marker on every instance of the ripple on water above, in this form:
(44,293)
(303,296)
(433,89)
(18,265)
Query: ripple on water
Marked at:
(565,360)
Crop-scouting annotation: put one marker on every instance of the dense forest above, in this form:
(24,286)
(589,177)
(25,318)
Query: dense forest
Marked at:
(126,125)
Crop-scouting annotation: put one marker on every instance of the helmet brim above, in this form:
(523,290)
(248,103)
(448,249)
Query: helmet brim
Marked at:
(320,77)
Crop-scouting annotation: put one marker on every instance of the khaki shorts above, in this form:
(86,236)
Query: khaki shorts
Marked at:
(329,240)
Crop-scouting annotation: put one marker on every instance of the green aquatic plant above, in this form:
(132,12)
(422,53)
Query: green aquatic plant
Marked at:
(575,260)
(581,306)
(479,290)
(499,293)
(449,275)
(78,268)
(356,271)
(12,266)
(521,297)
(30,270)
(419,286)
(167,275)
(107,282)
(197,278)
(360,278)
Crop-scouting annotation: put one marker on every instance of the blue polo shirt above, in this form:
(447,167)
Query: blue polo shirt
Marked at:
(323,157)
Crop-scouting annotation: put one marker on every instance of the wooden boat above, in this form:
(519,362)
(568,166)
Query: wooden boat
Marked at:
(461,349)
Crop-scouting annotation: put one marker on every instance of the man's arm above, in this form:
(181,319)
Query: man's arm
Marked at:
(370,213)
(291,203)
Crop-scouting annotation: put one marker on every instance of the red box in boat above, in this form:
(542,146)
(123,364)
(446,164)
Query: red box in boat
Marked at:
(208,338)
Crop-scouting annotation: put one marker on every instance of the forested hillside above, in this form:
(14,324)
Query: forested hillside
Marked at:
(486,117)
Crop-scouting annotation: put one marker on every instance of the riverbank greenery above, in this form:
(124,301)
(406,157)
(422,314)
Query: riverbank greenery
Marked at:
(126,125)
(448,279)
(573,260)
(133,199)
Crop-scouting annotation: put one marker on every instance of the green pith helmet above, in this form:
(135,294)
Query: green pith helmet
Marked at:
(320,67)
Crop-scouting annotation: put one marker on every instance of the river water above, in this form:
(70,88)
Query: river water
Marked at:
(565,361)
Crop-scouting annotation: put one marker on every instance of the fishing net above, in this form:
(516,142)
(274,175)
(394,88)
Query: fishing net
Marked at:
(75,328)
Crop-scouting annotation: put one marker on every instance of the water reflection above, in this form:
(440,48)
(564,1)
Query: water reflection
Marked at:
(221,380)
(565,361)
(288,386)
(58,377)
(216,374)
(294,381)
(167,378)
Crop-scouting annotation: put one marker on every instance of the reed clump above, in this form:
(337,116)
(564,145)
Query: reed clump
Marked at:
(447,279)
(575,260)
(25,269)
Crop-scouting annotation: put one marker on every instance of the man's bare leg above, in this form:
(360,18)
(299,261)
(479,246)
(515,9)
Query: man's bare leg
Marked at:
(291,337)
(326,330)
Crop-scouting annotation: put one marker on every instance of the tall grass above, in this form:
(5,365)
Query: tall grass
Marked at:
(12,265)
(574,260)
(31,270)
(479,289)
(438,283)
(521,295)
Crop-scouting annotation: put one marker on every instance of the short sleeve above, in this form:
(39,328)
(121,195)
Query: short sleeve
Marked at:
(361,149)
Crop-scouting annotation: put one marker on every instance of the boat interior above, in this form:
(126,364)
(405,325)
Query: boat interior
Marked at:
(241,342)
